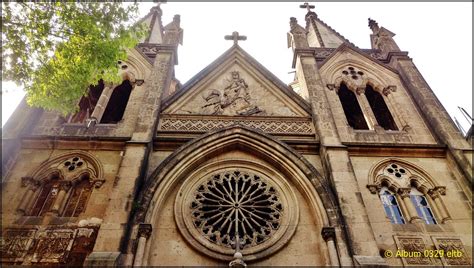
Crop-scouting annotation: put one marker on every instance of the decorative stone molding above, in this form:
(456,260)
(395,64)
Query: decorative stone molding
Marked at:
(458,255)
(52,246)
(412,245)
(200,124)
(397,174)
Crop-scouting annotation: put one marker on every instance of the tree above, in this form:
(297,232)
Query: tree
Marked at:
(57,49)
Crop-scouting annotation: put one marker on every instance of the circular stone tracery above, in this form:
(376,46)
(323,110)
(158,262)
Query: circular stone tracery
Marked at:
(236,204)
(211,212)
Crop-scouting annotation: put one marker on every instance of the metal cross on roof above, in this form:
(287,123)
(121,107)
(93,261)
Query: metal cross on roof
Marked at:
(236,37)
(307,6)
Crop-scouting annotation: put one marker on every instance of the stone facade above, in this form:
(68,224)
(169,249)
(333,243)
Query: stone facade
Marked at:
(234,167)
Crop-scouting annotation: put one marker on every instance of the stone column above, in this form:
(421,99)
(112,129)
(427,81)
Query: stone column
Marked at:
(144,232)
(102,102)
(28,197)
(60,199)
(435,195)
(393,107)
(329,235)
(404,193)
(366,109)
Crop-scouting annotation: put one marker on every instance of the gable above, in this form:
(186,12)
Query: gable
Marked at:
(345,56)
(236,85)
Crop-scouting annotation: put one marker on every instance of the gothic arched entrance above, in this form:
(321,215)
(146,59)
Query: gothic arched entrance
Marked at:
(235,187)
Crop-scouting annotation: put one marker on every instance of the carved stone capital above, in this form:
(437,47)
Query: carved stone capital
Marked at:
(332,87)
(374,188)
(144,230)
(386,91)
(98,183)
(66,185)
(360,90)
(437,192)
(404,192)
(27,181)
(328,233)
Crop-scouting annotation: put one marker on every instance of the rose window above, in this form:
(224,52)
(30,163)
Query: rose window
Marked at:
(221,206)
(236,204)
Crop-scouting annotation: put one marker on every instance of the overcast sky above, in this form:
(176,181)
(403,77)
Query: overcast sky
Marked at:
(438,36)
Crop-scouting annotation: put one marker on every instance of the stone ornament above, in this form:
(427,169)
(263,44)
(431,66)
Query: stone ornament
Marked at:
(236,206)
(455,246)
(411,244)
(234,99)
(199,124)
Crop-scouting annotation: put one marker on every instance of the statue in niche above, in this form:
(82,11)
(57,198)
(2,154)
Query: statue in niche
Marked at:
(235,99)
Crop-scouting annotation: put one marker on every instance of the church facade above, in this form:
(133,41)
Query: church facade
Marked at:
(355,163)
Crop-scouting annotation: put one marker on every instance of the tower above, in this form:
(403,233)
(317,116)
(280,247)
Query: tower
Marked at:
(355,160)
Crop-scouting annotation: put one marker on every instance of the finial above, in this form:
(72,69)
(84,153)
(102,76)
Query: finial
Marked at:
(235,37)
(373,25)
(238,257)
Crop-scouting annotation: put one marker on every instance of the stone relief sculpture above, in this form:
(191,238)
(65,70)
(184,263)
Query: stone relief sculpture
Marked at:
(234,100)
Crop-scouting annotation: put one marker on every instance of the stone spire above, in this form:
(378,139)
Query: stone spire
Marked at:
(153,21)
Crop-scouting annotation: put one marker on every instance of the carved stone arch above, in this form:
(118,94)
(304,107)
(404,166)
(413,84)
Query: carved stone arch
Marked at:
(90,165)
(371,76)
(413,175)
(135,68)
(174,170)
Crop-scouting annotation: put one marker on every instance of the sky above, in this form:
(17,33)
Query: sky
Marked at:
(438,36)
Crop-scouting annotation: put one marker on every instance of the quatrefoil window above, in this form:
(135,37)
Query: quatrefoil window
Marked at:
(396,171)
(73,163)
(351,71)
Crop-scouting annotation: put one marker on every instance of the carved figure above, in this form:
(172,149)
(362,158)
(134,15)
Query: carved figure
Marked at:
(235,99)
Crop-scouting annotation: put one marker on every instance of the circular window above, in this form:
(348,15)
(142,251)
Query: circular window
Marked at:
(221,206)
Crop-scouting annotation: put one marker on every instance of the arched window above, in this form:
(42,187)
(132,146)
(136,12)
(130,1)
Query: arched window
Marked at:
(398,182)
(47,196)
(422,207)
(391,207)
(117,103)
(379,107)
(87,103)
(78,198)
(351,107)
(62,186)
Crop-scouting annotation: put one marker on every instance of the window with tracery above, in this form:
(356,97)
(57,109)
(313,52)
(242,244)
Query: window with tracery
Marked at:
(398,183)
(63,189)
(236,206)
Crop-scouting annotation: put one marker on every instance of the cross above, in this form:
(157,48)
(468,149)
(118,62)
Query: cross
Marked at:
(307,6)
(236,37)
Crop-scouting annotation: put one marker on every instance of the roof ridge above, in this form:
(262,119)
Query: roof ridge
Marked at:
(335,32)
